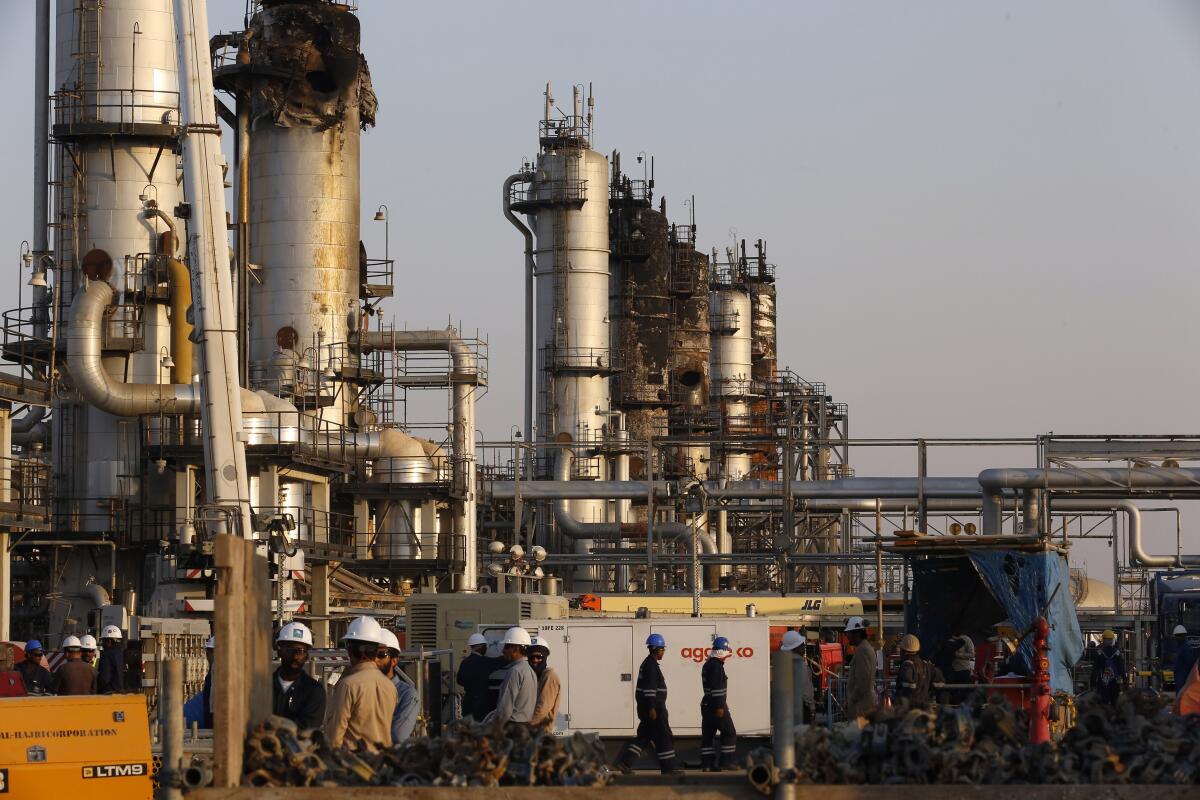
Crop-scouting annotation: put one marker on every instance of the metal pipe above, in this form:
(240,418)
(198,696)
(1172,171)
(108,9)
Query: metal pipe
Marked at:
(575,530)
(525,177)
(463,378)
(41,158)
(849,488)
(29,428)
(153,212)
(84,351)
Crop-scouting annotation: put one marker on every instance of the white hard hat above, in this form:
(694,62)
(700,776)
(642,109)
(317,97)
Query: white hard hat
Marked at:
(540,643)
(476,639)
(517,635)
(71,641)
(295,632)
(388,639)
(364,629)
(88,642)
(791,640)
(855,624)
(210,643)
(1179,630)
(110,632)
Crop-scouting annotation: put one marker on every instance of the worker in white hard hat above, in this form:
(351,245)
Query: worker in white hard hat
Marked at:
(804,703)
(88,647)
(359,712)
(1187,654)
(918,682)
(518,693)
(549,686)
(111,668)
(473,675)
(295,694)
(74,676)
(408,705)
(861,697)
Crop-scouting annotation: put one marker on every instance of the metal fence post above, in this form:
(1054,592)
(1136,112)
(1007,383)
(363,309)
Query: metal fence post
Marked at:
(783,727)
(170,710)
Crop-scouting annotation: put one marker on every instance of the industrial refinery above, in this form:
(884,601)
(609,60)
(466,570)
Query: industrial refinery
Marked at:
(211,415)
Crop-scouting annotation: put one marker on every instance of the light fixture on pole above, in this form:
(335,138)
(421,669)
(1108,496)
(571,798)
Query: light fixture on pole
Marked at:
(381,215)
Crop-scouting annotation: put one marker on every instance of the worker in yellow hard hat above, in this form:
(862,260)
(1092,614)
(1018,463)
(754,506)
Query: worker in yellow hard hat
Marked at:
(1108,669)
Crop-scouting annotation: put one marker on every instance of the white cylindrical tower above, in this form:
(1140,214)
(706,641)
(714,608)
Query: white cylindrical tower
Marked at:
(310,96)
(568,206)
(115,124)
(732,387)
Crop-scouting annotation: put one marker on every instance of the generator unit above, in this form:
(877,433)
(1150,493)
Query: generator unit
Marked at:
(444,621)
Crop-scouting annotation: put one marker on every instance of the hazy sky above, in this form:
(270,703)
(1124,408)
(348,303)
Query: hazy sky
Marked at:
(984,215)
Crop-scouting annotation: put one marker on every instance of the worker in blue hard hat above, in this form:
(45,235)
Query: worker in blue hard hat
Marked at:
(37,679)
(715,717)
(654,728)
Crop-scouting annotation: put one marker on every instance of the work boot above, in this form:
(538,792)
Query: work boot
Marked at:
(623,768)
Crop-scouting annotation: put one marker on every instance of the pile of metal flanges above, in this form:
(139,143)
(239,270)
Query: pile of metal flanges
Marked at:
(467,754)
(983,741)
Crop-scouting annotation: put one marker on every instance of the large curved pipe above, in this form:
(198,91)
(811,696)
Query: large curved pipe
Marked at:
(84,351)
(573,529)
(29,428)
(463,377)
(524,177)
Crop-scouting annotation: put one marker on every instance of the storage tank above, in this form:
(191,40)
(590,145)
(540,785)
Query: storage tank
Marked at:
(690,352)
(115,124)
(567,203)
(310,97)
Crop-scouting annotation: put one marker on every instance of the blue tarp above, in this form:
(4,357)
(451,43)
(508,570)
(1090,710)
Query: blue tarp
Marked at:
(1023,584)
(970,593)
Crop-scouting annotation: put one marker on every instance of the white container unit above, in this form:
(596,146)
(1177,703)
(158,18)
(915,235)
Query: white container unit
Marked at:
(597,661)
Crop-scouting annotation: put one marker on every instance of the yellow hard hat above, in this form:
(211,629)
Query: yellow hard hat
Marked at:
(910,643)
(1109,635)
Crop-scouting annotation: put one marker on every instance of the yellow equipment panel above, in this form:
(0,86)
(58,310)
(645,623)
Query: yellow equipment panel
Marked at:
(93,746)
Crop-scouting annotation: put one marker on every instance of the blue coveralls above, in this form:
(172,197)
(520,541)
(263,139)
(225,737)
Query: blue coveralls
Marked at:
(716,693)
(651,693)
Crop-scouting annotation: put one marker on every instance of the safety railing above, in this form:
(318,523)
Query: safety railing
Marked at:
(638,191)
(27,341)
(726,322)
(583,359)
(312,525)
(117,110)
(526,196)
(401,536)
(293,432)
(25,485)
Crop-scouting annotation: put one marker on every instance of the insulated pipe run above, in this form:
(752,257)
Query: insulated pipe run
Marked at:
(463,378)
(84,351)
(573,529)
(994,481)
(525,177)
(32,418)
(849,488)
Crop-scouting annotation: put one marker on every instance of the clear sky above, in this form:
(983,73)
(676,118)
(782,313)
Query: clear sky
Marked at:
(984,215)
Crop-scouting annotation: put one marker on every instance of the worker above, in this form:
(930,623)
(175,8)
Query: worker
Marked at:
(206,695)
(715,716)
(654,727)
(519,692)
(861,698)
(1185,655)
(111,667)
(359,713)
(1108,669)
(37,679)
(917,681)
(549,686)
(804,705)
(295,694)
(408,705)
(87,646)
(960,663)
(473,675)
(74,676)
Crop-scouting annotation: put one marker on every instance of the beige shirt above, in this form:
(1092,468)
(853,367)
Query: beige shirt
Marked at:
(860,690)
(549,691)
(361,707)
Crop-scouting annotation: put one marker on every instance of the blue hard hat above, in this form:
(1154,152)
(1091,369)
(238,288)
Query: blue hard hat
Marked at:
(33,644)
(720,643)
(656,640)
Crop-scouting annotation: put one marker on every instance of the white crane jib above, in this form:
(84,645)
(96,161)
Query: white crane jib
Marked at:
(215,316)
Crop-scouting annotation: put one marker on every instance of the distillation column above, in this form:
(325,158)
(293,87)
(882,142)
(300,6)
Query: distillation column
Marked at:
(310,97)
(567,202)
(115,124)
